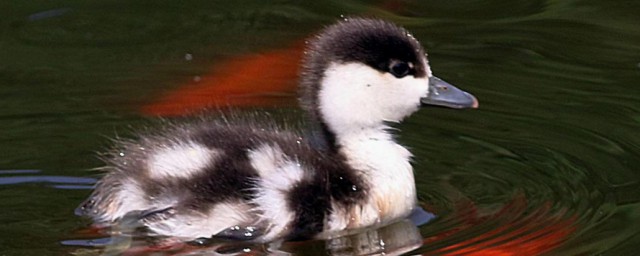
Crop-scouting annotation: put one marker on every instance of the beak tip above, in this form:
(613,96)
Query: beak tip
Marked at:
(475,103)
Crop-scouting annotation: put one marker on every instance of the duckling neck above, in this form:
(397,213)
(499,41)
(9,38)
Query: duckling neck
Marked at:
(385,165)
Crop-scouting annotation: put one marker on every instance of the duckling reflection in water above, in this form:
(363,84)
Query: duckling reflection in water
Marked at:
(393,239)
(228,177)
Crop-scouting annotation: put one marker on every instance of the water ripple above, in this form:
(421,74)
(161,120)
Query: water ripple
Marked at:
(60,182)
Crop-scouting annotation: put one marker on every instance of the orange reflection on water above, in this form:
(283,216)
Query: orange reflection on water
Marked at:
(521,232)
(250,80)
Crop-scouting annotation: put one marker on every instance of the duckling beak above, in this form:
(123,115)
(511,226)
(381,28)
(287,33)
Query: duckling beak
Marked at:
(444,94)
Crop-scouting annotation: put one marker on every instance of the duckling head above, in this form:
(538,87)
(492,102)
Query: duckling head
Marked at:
(360,73)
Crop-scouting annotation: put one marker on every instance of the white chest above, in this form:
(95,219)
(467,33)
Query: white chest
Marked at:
(385,166)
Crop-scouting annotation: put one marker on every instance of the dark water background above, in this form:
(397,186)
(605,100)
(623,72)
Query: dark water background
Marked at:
(549,164)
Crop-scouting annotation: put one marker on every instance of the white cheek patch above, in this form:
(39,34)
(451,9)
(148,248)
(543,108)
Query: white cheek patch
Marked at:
(354,95)
(180,160)
(345,96)
(401,96)
(278,175)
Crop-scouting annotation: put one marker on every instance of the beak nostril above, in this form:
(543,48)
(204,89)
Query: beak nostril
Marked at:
(444,94)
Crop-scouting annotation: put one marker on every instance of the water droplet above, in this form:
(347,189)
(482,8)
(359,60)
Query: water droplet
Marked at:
(197,79)
(188,57)
(246,250)
(121,154)
(200,241)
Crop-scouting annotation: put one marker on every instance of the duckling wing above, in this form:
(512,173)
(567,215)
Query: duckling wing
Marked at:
(204,179)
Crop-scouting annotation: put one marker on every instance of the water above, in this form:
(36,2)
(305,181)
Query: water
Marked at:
(547,165)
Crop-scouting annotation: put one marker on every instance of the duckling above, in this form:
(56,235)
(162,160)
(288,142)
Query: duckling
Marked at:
(263,182)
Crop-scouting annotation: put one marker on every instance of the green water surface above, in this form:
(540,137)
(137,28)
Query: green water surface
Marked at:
(549,163)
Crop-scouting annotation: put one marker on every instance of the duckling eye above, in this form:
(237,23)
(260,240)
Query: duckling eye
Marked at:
(399,69)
